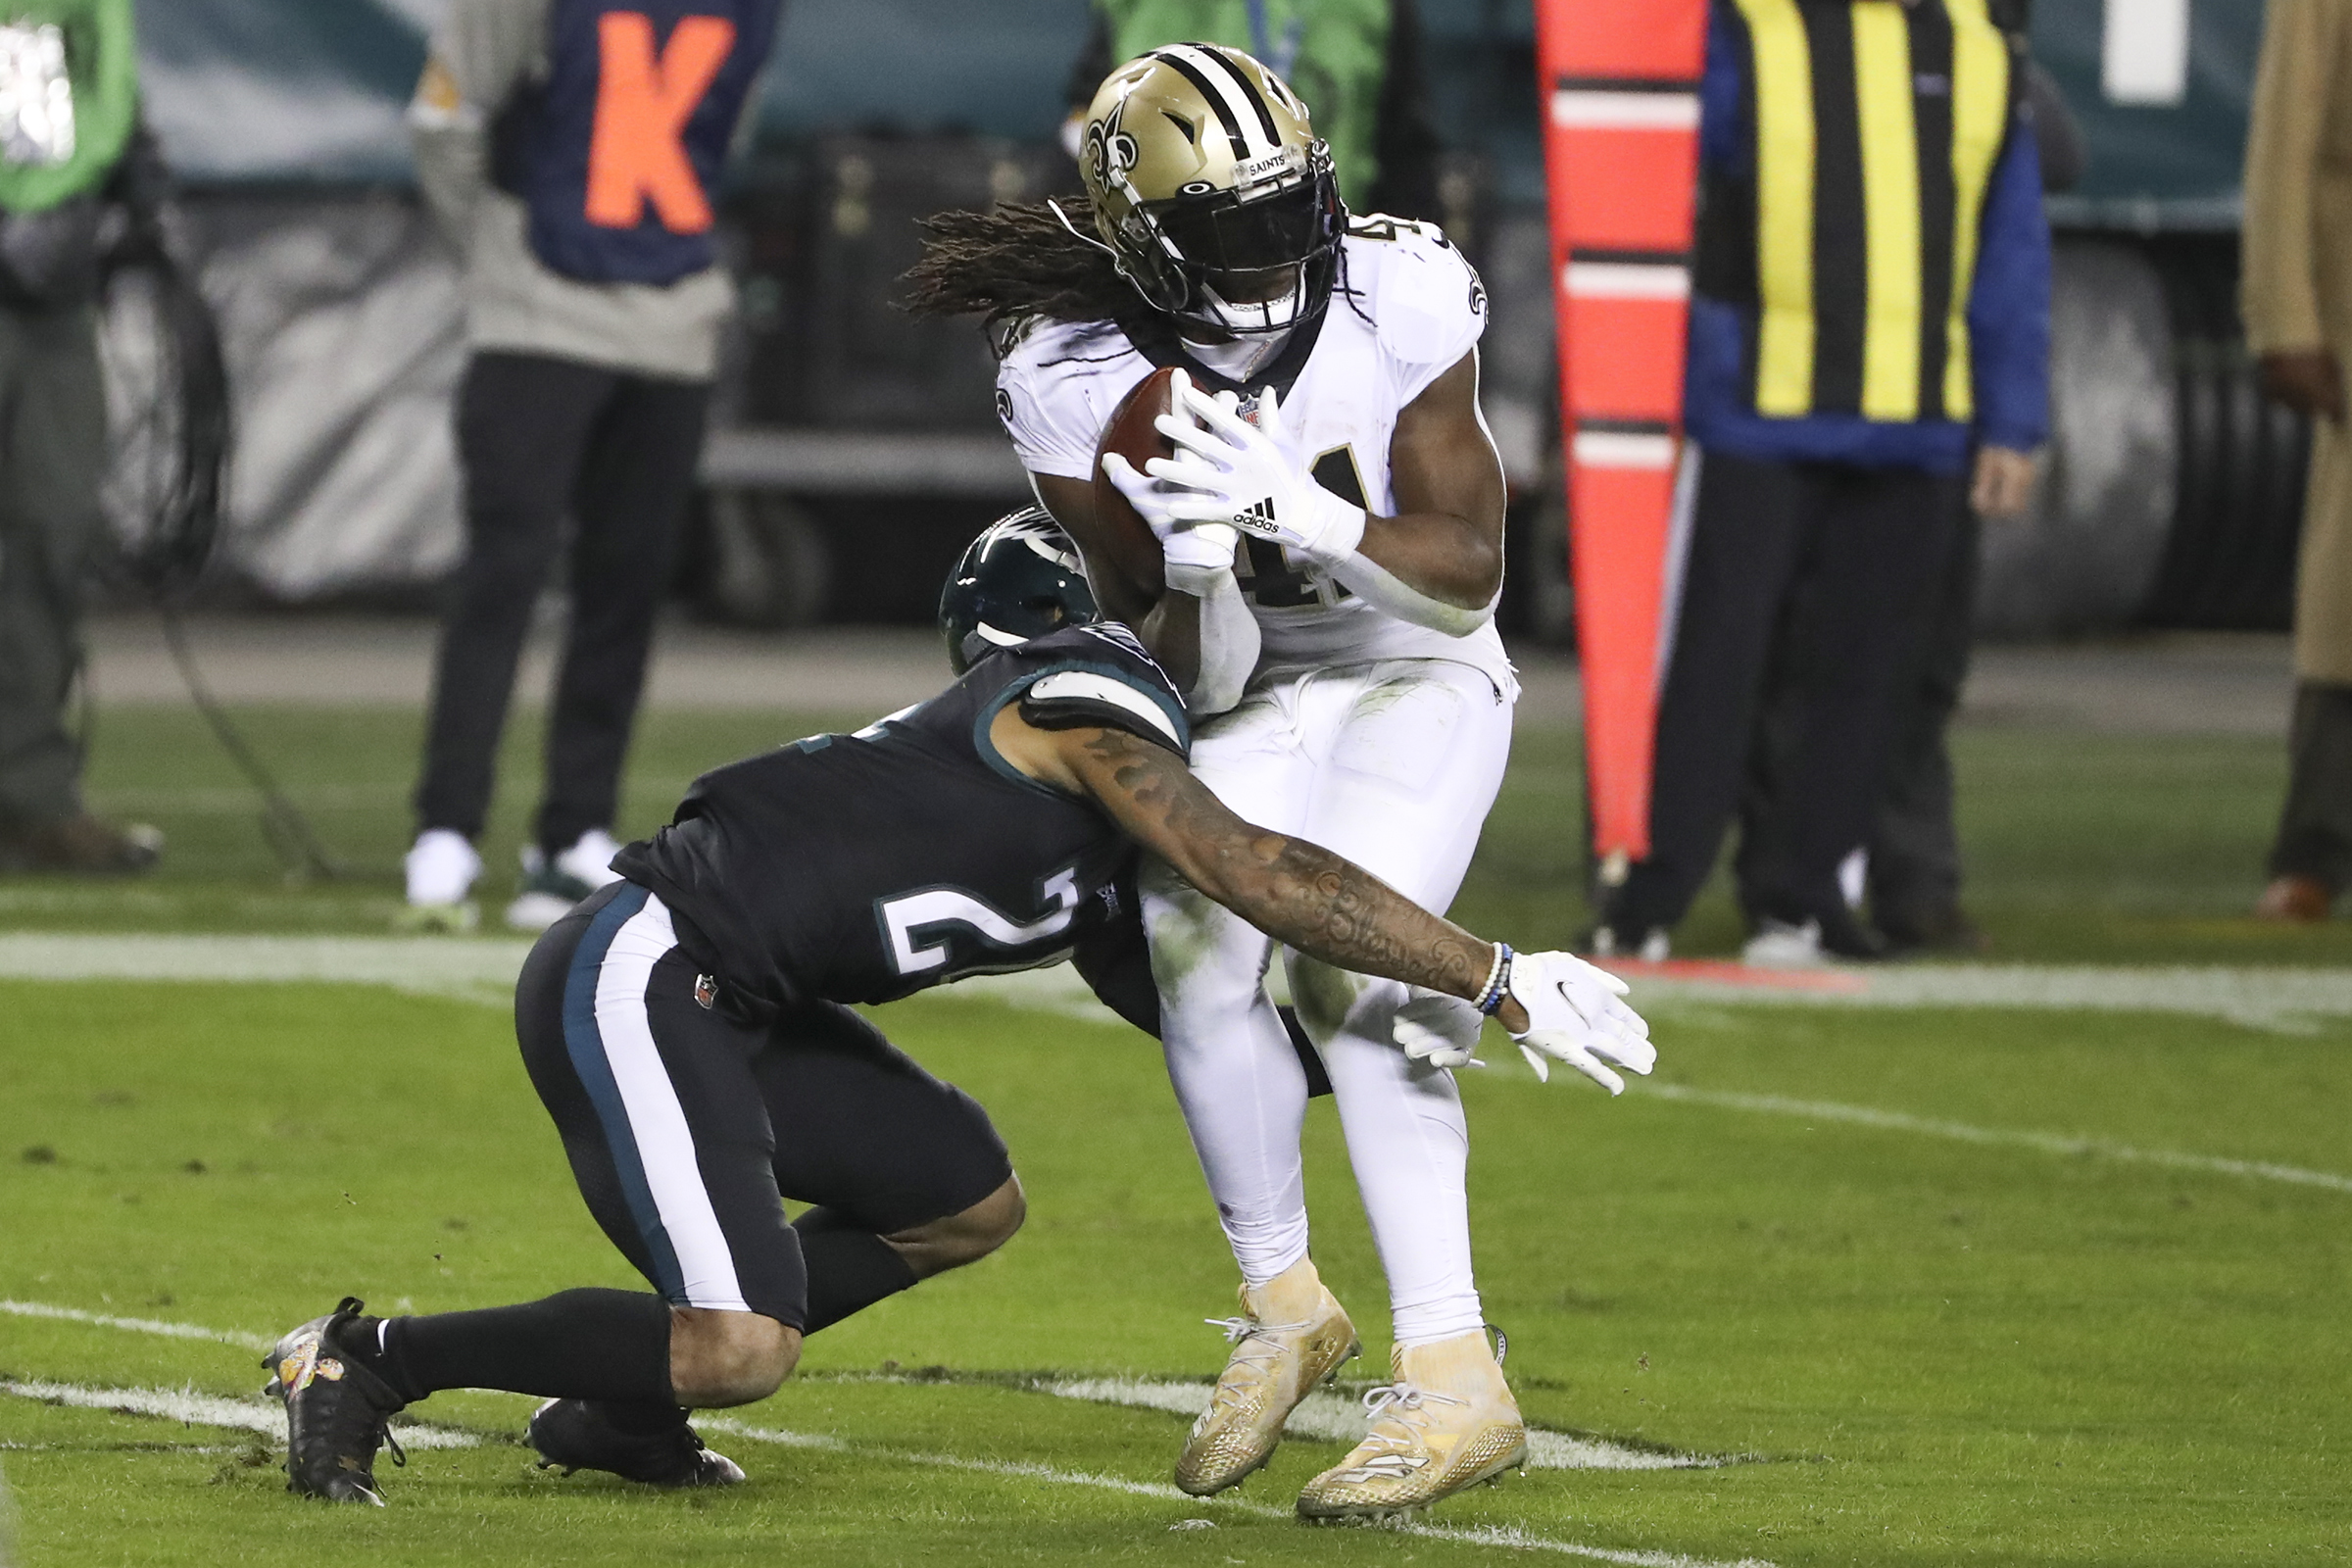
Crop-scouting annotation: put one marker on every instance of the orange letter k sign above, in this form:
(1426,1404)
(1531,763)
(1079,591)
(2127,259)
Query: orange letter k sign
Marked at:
(643,102)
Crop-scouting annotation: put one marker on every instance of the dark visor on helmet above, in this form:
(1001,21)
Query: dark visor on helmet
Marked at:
(1225,235)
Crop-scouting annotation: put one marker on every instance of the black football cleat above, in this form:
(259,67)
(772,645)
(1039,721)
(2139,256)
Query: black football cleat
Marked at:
(570,1434)
(337,1411)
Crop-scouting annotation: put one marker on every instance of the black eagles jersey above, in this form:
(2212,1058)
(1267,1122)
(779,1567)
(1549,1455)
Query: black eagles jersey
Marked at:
(864,867)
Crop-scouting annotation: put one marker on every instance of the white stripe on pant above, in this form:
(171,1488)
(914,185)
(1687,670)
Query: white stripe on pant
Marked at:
(656,1120)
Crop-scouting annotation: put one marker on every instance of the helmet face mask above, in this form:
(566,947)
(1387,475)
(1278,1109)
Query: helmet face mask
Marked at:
(1212,191)
(1020,578)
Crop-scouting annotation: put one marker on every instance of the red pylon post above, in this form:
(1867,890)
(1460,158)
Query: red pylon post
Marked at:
(1619,80)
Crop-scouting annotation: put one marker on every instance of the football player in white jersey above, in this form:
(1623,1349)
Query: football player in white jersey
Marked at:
(1332,534)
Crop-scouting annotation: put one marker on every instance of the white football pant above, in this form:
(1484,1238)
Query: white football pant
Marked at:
(1393,765)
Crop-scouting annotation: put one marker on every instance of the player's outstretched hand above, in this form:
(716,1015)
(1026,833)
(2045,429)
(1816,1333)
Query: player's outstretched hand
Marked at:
(1228,471)
(1439,1029)
(1576,1014)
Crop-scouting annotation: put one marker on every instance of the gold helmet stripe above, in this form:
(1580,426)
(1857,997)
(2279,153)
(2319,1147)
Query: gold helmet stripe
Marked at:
(1194,65)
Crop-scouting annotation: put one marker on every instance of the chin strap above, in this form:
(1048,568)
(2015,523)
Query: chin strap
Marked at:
(1082,238)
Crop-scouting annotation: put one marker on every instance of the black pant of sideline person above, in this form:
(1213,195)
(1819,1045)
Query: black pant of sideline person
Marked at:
(543,439)
(1827,566)
(1914,843)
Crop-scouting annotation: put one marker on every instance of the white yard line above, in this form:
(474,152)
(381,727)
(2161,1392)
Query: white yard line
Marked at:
(136,1325)
(1331,1417)
(192,1409)
(269,1418)
(1508,1536)
(1962,1132)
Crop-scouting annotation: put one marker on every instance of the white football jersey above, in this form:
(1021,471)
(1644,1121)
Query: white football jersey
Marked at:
(1412,308)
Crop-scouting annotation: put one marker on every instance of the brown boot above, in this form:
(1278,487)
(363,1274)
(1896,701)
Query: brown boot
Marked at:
(88,846)
(2294,901)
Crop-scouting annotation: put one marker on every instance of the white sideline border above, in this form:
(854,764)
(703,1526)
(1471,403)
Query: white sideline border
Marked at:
(189,1409)
(484,970)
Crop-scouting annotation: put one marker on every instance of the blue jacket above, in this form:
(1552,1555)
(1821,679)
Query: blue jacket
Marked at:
(2008,322)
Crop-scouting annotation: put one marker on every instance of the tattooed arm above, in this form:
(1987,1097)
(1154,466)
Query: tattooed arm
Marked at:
(1294,891)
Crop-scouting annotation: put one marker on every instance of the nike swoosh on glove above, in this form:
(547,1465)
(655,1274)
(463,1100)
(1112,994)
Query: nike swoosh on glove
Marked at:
(1229,471)
(1576,1014)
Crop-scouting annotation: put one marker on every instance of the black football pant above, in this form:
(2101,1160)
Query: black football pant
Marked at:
(1914,843)
(686,1128)
(541,441)
(1821,574)
(52,456)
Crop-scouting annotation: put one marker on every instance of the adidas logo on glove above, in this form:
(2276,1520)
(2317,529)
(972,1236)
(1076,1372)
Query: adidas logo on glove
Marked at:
(1258,519)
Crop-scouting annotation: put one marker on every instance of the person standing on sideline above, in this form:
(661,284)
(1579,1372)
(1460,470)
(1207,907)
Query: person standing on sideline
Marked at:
(70,145)
(570,150)
(2297,303)
(1870,306)
(1913,861)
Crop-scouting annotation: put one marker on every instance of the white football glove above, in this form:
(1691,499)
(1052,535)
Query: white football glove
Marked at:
(1437,1029)
(1574,1015)
(1228,471)
(1196,556)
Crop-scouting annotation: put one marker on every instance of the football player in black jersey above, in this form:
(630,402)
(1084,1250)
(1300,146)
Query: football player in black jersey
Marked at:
(690,1027)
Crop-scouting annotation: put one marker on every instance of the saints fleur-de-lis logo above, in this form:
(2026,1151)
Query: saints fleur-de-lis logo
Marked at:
(1110,150)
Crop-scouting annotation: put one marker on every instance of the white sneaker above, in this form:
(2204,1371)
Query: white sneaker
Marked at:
(1654,948)
(550,890)
(1777,944)
(590,861)
(441,867)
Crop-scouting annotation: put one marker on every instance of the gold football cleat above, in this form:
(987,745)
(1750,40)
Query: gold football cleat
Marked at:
(1292,1335)
(1445,1422)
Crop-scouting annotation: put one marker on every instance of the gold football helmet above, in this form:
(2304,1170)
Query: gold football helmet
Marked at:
(1212,192)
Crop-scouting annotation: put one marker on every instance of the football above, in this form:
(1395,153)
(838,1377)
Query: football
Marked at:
(1120,530)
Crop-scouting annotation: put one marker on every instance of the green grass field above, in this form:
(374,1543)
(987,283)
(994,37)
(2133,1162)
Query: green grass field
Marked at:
(1917,1346)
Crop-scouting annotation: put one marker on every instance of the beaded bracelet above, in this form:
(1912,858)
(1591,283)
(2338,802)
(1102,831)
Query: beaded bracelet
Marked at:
(1499,981)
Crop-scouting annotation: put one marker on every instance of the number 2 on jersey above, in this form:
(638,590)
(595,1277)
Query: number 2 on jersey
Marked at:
(955,932)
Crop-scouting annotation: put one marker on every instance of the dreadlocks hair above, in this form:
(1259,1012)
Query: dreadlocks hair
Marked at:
(1014,264)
